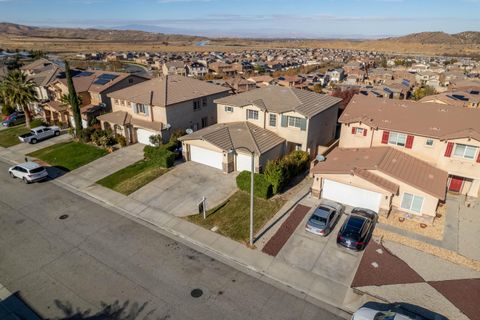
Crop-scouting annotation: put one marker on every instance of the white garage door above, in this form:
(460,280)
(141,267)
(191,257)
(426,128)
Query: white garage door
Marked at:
(143,136)
(206,157)
(244,162)
(350,195)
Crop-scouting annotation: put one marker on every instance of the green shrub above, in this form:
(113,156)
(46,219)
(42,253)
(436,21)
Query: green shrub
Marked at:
(156,140)
(261,187)
(297,162)
(161,155)
(87,134)
(275,174)
(122,140)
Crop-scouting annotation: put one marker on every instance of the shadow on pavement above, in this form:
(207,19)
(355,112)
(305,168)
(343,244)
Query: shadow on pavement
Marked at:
(407,309)
(55,172)
(114,311)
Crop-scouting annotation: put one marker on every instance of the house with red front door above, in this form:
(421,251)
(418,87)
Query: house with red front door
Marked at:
(429,140)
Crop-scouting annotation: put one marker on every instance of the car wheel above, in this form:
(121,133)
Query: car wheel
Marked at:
(26,181)
(34,141)
(57,133)
(12,175)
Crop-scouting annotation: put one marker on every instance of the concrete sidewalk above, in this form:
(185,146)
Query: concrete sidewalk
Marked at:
(307,285)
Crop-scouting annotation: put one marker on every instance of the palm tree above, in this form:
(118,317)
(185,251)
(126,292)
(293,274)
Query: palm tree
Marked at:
(65,99)
(20,91)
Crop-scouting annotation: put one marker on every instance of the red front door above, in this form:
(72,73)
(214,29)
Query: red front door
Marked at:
(455,184)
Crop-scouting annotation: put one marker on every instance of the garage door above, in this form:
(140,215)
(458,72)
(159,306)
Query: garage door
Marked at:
(206,157)
(143,136)
(244,162)
(350,195)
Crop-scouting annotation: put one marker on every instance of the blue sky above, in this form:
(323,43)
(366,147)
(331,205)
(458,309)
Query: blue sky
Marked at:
(272,18)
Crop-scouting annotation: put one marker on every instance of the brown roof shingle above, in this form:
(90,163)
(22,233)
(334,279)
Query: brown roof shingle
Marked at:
(176,88)
(425,119)
(234,135)
(390,161)
(281,99)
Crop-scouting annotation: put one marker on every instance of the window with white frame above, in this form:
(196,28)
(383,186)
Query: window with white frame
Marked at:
(294,122)
(412,202)
(465,151)
(252,114)
(429,142)
(273,120)
(399,139)
(141,108)
(196,105)
(228,109)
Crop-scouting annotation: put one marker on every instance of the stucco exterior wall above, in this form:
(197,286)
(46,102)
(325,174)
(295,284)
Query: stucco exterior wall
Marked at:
(321,129)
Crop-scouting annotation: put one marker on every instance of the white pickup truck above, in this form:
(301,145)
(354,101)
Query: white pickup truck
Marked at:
(40,133)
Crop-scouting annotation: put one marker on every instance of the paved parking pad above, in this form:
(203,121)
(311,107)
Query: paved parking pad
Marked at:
(321,255)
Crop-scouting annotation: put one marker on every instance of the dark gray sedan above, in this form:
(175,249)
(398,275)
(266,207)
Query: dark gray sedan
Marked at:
(324,218)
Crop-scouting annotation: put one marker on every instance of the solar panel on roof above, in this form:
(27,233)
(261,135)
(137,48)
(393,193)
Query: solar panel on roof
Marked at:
(107,76)
(84,74)
(101,81)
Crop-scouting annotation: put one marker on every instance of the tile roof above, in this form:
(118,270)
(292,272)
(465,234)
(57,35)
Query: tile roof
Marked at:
(425,119)
(390,161)
(234,135)
(281,99)
(85,81)
(176,88)
(124,118)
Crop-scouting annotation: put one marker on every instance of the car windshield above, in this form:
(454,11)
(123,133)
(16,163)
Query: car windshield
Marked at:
(384,316)
(37,170)
(353,227)
(318,220)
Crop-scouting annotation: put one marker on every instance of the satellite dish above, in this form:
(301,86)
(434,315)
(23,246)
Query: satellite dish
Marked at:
(168,126)
(320,158)
(189,131)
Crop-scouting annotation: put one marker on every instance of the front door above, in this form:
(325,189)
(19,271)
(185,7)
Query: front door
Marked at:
(456,184)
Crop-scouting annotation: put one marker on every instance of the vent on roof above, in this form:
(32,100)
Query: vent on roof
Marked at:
(434,128)
(394,160)
(366,157)
(443,109)
(403,105)
(386,121)
(430,176)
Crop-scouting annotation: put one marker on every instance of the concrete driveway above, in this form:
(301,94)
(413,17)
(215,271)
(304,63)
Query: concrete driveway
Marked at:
(468,228)
(26,148)
(320,255)
(179,191)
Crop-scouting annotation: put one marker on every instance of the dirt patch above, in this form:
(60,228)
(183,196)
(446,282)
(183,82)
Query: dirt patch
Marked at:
(464,294)
(379,267)
(434,231)
(445,254)
(276,243)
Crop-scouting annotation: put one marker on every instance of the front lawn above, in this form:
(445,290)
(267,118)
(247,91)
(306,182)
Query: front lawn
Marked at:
(69,155)
(133,177)
(9,137)
(232,217)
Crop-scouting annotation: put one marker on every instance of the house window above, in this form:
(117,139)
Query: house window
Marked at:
(398,139)
(359,131)
(204,102)
(252,114)
(412,202)
(228,109)
(429,143)
(465,151)
(196,105)
(294,122)
(141,108)
(273,120)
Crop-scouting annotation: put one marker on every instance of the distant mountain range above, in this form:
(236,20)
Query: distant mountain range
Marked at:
(112,35)
(147,33)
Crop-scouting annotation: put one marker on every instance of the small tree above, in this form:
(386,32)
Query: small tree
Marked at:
(20,91)
(74,102)
(423,91)
(155,139)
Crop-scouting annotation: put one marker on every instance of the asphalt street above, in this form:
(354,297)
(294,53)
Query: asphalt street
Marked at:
(72,258)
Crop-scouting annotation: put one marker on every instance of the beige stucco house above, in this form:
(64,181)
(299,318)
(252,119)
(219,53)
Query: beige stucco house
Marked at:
(445,136)
(161,105)
(290,118)
(380,179)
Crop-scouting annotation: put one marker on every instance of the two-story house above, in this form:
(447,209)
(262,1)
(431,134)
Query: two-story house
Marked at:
(274,120)
(428,149)
(161,105)
(92,86)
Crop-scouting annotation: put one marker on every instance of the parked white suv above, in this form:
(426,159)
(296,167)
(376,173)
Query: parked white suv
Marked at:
(28,172)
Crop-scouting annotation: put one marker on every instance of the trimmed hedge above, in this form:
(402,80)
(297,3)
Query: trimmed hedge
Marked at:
(261,187)
(164,157)
(280,172)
